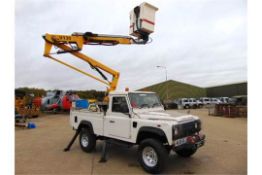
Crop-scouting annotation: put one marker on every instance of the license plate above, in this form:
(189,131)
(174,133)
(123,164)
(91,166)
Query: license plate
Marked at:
(180,141)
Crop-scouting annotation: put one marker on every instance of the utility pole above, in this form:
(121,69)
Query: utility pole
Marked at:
(164,67)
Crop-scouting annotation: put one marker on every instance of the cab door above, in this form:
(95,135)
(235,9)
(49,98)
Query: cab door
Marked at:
(117,121)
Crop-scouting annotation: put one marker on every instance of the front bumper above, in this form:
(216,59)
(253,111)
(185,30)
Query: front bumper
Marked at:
(190,142)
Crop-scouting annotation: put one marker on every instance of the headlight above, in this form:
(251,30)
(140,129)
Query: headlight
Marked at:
(175,131)
(198,125)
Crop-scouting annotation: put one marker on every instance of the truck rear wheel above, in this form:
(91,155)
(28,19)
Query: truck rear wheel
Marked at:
(87,140)
(152,155)
(186,152)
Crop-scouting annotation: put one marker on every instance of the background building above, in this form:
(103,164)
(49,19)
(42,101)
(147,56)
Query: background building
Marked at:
(173,89)
(230,90)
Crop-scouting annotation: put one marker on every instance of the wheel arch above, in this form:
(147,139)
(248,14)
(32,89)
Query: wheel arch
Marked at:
(151,132)
(86,124)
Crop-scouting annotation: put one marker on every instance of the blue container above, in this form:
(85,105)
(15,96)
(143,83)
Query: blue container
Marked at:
(82,104)
(31,125)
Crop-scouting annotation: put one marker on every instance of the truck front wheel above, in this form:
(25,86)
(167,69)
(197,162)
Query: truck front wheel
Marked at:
(152,155)
(87,140)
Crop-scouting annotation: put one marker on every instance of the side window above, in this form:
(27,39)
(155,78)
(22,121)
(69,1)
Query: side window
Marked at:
(119,105)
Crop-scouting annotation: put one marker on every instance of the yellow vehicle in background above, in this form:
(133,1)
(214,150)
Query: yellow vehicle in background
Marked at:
(26,105)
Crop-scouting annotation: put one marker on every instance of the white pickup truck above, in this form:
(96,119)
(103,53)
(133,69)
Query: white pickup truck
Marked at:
(138,118)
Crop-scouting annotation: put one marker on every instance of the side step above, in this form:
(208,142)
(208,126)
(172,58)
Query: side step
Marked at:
(119,143)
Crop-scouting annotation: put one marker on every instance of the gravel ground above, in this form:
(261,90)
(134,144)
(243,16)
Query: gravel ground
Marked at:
(40,150)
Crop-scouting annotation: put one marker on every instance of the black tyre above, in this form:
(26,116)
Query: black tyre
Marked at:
(87,140)
(55,110)
(186,107)
(152,156)
(186,152)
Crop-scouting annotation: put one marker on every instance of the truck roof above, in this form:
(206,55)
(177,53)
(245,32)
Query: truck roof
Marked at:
(127,92)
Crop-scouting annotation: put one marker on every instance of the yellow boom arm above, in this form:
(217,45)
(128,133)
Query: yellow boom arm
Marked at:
(73,44)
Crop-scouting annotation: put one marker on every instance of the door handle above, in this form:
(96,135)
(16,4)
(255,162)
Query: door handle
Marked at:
(111,121)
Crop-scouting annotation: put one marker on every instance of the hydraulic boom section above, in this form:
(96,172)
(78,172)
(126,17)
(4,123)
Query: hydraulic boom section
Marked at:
(73,45)
(141,27)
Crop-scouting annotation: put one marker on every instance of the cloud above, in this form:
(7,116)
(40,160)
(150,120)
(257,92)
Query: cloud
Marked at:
(200,42)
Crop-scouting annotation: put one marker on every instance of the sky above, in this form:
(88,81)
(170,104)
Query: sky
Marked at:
(200,42)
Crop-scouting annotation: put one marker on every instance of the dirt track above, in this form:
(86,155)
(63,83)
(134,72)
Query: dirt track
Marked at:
(39,151)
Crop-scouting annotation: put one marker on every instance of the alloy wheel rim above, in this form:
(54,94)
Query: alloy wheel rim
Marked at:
(149,156)
(84,140)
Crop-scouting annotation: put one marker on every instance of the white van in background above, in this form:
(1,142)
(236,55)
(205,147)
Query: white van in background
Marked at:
(224,100)
(205,100)
(215,101)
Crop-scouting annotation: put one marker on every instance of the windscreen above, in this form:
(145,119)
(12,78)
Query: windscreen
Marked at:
(144,100)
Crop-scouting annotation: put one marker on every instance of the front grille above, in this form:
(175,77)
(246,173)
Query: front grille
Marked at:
(186,129)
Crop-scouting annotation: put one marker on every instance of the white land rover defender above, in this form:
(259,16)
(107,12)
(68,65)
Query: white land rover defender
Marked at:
(138,118)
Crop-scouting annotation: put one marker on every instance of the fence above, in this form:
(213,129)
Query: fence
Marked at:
(227,110)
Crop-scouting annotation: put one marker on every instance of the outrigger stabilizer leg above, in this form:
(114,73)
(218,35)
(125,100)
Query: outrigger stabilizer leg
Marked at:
(104,152)
(72,141)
